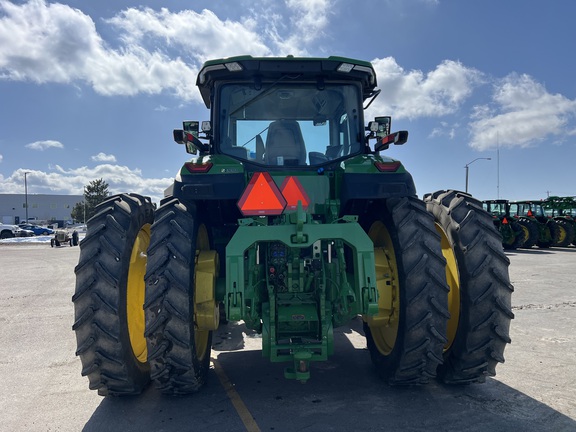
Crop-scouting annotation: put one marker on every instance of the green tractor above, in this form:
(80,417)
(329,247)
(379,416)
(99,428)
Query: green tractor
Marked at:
(513,233)
(541,229)
(563,211)
(288,218)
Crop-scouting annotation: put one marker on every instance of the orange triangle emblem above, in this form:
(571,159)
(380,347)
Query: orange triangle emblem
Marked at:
(261,197)
(293,191)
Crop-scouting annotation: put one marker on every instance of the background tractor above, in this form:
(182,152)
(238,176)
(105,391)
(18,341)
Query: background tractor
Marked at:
(563,211)
(62,237)
(288,218)
(531,214)
(513,234)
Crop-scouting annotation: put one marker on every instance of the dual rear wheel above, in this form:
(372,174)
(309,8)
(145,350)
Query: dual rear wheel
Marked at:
(144,302)
(445,306)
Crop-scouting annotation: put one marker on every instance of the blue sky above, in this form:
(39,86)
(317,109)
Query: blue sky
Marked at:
(93,90)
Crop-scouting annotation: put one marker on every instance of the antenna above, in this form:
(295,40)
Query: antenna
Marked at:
(498,164)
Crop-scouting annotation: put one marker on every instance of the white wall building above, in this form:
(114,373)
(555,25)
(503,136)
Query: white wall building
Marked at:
(41,207)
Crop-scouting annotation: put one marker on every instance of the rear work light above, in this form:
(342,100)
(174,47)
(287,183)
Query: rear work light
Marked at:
(198,167)
(233,67)
(388,166)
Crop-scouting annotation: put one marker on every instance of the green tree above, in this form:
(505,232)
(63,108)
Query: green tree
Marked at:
(94,193)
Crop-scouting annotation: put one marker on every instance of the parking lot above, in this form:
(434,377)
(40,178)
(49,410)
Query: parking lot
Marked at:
(43,390)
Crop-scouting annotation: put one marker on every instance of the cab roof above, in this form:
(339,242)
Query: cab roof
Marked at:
(248,68)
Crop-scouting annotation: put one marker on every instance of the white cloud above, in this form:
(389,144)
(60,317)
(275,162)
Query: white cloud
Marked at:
(43,145)
(444,130)
(55,43)
(202,35)
(267,29)
(43,42)
(413,94)
(103,157)
(523,113)
(308,20)
(157,50)
(72,181)
(1,157)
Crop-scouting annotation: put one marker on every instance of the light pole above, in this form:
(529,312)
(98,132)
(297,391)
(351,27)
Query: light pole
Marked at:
(26,195)
(470,163)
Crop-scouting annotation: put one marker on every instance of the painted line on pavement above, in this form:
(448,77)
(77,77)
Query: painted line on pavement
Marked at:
(243,412)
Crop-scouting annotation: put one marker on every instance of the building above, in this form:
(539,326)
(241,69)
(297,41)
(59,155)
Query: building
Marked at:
(42,208)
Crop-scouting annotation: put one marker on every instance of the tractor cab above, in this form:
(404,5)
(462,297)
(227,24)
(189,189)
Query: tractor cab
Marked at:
(287,113)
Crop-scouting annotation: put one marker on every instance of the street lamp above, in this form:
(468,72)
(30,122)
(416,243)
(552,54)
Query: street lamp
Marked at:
(26,195)
(470,163)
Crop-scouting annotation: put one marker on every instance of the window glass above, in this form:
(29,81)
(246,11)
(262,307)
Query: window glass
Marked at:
(290,124)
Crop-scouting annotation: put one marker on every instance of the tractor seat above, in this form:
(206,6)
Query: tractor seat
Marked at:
(284,144)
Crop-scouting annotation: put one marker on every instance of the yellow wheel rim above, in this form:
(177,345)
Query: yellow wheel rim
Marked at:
(204,279)
(562,234)
(384,326)
(453,279)
(135,292)
(526,231)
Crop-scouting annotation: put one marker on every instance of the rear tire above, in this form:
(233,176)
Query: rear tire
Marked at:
(408,349)
(565,233)
(109,320)
(550,233)
(508,236)
(520,235)
(476,343)
(179,353)
(531,230)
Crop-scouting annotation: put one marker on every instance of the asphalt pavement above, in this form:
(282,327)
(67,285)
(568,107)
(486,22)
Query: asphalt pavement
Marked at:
(42,389)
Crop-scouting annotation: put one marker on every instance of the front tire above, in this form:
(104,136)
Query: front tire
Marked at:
(109,319)
(406,340)
(478,330)
(179,347)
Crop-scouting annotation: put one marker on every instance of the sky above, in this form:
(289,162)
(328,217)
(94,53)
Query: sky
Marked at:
(92,90)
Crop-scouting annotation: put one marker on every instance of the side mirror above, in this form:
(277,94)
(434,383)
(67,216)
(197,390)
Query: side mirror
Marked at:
(193,144)
(190,126)
(397,138)
(381,125)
